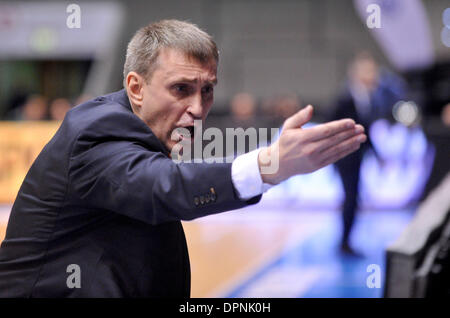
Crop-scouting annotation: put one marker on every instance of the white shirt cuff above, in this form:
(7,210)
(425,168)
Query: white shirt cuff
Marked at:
(246,176)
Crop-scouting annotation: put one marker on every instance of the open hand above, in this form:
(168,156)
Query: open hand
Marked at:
(300,150)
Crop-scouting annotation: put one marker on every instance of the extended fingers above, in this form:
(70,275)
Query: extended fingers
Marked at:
(327,130)
(342,149)
(324,144)
(337,156)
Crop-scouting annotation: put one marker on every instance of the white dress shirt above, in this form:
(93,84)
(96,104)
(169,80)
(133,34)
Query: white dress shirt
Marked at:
(246,176)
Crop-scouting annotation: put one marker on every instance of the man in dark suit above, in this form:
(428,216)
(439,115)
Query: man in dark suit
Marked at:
(367,96)
(98,214)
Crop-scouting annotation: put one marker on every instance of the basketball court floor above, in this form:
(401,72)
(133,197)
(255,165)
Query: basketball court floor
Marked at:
(282,250)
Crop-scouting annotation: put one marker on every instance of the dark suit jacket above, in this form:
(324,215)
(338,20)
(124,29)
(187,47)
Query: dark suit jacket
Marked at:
(104,195)
(345,108)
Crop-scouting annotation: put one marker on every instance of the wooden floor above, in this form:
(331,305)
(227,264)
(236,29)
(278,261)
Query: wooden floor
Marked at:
(282,251)
(226,248)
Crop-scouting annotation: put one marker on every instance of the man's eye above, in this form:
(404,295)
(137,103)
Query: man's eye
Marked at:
(181,88)
(208,89)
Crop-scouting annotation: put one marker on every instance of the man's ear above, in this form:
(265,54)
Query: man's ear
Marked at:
(135,89)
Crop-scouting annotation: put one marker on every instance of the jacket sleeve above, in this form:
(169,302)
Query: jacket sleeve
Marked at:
(126,178)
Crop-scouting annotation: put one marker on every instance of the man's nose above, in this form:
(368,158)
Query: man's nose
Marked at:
(196,106)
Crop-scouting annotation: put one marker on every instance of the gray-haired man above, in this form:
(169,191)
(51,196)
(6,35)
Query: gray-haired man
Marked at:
(99,212)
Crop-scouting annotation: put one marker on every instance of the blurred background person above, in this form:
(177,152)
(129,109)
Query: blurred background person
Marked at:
(243,114)
(28,107)
(446,115)
(368,95)
(243,110)
(438,132)
(285,106)
(58,108)
(35,108)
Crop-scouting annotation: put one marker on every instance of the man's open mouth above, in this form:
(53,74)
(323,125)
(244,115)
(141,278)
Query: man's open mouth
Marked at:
(185,132)
(191,131)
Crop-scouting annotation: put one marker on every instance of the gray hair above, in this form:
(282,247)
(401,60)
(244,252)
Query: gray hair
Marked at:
(144,47)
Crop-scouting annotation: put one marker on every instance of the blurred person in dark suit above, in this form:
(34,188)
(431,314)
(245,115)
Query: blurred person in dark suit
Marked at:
(438,133)
(99,212)
(368,95)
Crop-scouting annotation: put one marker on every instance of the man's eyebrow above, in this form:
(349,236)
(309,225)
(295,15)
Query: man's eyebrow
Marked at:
(194,80)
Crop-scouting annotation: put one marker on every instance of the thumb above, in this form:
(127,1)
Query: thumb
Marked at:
(299,119)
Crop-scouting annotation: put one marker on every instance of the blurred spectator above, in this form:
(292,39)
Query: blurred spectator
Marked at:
(243,110)
(446,115)
(58,108)
(438,133)
(285,106)
(35,108)
(277,108)
(367,96)
(243,115)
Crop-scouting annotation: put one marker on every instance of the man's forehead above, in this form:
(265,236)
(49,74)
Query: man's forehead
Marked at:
(174,63)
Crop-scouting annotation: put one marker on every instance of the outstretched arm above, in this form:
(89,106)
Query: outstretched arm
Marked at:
(300,150)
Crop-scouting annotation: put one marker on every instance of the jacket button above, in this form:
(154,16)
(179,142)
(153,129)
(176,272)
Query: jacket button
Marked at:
(213,195)
(196,201)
